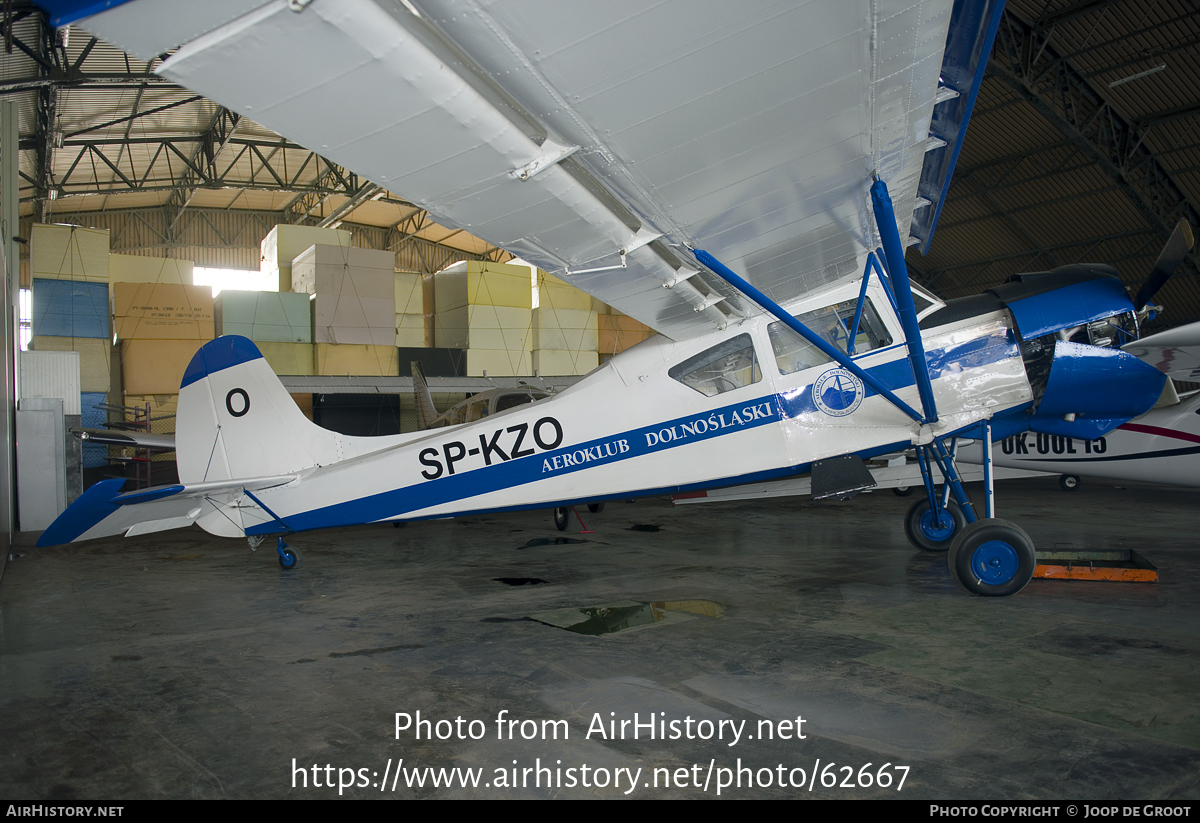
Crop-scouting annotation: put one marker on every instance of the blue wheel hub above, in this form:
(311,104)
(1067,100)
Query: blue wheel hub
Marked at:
(935,531)
(995,562)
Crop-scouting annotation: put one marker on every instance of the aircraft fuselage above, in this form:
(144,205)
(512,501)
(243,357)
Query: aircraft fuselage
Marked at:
(640,424)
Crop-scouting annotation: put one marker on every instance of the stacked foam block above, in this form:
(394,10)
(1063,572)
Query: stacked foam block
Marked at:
(565,328)
(131,268)
(284,243)
(410,311)
(279,323)
(69,277)
(486,309)
(617,332)
(69,268)
(353,297)
(158,328)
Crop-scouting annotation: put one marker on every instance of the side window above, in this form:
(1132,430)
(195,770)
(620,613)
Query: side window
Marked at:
(725,367)
(833,323)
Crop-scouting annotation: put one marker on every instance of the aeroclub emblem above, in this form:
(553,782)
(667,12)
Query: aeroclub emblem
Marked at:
(837,392)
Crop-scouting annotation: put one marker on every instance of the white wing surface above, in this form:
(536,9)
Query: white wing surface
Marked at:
(609,135)
(1175,352)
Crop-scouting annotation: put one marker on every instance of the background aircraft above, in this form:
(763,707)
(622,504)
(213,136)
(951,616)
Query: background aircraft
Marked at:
(742,179)
(1162,446)
(475,407)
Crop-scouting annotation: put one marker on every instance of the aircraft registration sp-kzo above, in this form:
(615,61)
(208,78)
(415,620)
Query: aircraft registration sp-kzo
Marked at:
(741,177)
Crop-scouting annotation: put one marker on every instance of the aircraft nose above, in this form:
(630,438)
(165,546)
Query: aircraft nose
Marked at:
(1092,390)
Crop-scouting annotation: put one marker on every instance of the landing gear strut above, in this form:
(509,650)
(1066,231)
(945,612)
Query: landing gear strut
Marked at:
(989,557)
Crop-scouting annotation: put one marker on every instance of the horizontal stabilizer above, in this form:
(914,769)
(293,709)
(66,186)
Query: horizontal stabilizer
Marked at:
(128,439)
(103,510)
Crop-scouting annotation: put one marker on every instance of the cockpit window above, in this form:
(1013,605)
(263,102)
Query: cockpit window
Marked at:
(833,323)
(725,367)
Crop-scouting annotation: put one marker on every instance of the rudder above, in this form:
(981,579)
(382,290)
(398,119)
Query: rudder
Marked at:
(236,420)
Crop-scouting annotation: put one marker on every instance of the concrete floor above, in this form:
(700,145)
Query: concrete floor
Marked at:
(181,665)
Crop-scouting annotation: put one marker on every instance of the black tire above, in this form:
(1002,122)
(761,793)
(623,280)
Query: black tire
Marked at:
(919,528)
(596,508)
(992,558)
(1069,482)
(562,516)
(902,491)
(290,559)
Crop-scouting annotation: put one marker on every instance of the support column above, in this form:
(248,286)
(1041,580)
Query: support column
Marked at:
(11,276)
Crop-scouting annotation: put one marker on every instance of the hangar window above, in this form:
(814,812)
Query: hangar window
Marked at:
(833,323)
(725,367)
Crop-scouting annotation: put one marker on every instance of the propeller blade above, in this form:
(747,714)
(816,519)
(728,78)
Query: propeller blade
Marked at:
(1177,248)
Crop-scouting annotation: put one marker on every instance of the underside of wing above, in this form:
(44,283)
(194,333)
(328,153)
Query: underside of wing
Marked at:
(603,141)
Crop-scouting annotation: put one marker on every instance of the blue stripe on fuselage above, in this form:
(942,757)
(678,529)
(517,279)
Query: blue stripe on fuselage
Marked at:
(612,448)
(555,463)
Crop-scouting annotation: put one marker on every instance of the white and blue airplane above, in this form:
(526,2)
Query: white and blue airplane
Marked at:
(742,177)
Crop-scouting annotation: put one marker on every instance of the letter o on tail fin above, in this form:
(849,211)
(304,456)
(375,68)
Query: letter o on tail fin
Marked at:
(237,421)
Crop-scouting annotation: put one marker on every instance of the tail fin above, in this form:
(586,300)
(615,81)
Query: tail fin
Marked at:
(426,411)
(236,420)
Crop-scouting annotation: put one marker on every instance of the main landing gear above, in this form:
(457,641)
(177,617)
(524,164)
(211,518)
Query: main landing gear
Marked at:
(989,557)
(562,516)
(933,529)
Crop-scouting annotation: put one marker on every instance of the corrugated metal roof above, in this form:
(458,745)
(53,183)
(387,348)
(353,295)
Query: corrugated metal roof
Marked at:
(1027,198)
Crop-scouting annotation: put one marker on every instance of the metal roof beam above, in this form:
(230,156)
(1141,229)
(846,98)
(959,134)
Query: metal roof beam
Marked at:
(1024,59)
(203,165)
(1074,10)
(365,192)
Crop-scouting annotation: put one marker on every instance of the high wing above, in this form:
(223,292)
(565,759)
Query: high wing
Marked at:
(601,141)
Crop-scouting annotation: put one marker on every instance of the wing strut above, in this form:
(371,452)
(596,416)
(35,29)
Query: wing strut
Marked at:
(893,251)
(839,357)
(872,265)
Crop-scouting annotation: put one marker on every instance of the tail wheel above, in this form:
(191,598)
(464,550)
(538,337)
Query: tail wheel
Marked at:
(992,558)
(902,491)
(290,558)
(1069,482)
(562,516)
(926,532)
